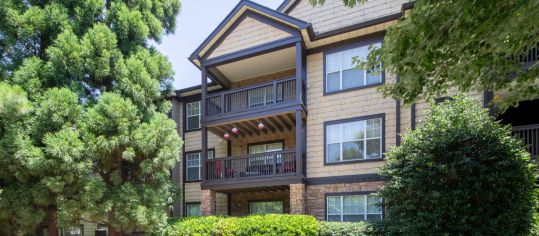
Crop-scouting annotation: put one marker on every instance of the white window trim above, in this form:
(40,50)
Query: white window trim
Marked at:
(342,214)
(192,115)
(364,139)
(343,68)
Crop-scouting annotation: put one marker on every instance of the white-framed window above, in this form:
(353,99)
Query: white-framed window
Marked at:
(192,115)
(353,208)
(342,73)
(193,165)
(192,209)
(259,97)
(354,140)
(263,148)
(266,207)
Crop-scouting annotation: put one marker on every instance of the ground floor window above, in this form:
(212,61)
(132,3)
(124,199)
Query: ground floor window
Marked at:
(193,209)
(266,207)
(352,208)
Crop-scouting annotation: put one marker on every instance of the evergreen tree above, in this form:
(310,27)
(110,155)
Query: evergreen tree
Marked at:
(82,124)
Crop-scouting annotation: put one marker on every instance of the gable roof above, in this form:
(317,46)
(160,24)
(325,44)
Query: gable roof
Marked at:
(242,8)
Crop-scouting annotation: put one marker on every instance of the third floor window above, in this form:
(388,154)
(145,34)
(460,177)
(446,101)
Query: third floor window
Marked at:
(192,115)
(343,74)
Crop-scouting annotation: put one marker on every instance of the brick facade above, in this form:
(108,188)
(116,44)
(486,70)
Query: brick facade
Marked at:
(297,199)
(207,202)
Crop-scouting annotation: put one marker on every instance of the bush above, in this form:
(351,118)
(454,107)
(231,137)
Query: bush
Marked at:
(460,173)
(344,229)
(249,225)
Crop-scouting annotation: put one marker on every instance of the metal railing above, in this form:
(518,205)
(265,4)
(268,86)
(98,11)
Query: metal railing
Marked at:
(530,136)
(249,98)
(270,164)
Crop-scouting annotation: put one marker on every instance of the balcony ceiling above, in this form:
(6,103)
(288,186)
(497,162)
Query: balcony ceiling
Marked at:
(279,123)
(264,64)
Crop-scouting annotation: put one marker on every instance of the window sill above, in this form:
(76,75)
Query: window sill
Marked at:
(353,89)
(353,161)
(192,181)
(192,130)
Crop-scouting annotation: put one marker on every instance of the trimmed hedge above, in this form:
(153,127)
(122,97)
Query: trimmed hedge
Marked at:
(250,225)
(266,225)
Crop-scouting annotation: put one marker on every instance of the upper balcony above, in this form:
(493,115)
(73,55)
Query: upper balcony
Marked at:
(255,99)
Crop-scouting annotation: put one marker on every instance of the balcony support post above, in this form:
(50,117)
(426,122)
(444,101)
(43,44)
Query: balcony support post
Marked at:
(204,129)
(299,143)
(299,71)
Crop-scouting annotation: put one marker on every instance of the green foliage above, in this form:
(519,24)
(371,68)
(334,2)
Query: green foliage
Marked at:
(459,173)
(83,128)
(472,46)
(249,225)
(344,229)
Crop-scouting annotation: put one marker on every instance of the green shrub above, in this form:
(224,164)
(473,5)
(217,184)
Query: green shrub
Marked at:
(249,225)
(344,229)
(460,173)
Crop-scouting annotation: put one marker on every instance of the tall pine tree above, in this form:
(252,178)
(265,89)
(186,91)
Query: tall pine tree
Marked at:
(82,123)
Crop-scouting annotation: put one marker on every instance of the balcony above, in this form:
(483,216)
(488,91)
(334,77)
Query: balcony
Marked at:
(262,97)
(256,170)
(530,136)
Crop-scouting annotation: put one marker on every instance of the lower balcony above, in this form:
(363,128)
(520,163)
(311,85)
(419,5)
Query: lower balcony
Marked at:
(256,170)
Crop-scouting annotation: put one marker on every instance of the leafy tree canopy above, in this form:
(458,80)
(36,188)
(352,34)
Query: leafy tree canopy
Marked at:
(469,45)
(459,173)
(83,129)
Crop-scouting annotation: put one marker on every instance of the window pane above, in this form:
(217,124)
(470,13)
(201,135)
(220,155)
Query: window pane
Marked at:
(354,204)
(273,207)
(210,155)
(373,149)
(334,218)
(352,150)
(334,152)
(347,57)
(193,209)
(334,204)
(333,62)
(374,128)
(274,147)
(193,122)
(352,78)
(373,204)
(333,82)
(353,130)
(353,218)
(333,133)
(374,77)
(374,217)
(193,173)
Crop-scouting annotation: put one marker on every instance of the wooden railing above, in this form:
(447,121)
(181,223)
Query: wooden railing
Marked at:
(530,135)
(251,98)
(270,164)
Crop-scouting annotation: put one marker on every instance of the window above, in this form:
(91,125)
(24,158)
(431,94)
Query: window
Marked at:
(355,140)
(268,207)
(192,115)
(259,97)
(192,209)
(342,74)
(193,164)
(75,231)
(263,148)
(353,208)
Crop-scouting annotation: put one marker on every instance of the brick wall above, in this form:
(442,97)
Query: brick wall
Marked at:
(315,195)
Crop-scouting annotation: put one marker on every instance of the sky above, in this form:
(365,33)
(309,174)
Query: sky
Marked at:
(197,19)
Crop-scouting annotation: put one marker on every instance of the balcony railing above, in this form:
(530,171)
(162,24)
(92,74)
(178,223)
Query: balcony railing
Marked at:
(530,136)
(263,165)
(257,97)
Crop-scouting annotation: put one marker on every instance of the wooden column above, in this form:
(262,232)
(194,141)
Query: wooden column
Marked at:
(204,129)
(299,71)
(299,143)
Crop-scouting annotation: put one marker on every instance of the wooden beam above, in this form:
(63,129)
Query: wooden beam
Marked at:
(247,126)
(252,122)
(229,130)
(269,125)
(242,129)
(291,119)
(285,122)
(277,122)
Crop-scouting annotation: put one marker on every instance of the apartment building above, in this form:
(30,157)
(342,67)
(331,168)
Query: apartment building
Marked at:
(283,123)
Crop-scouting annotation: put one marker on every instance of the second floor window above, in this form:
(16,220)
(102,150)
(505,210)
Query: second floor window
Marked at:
(342,73)
(193,164)
(192,115)
(354,140)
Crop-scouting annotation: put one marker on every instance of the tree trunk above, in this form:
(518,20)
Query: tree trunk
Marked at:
(53,229)
(113,232)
